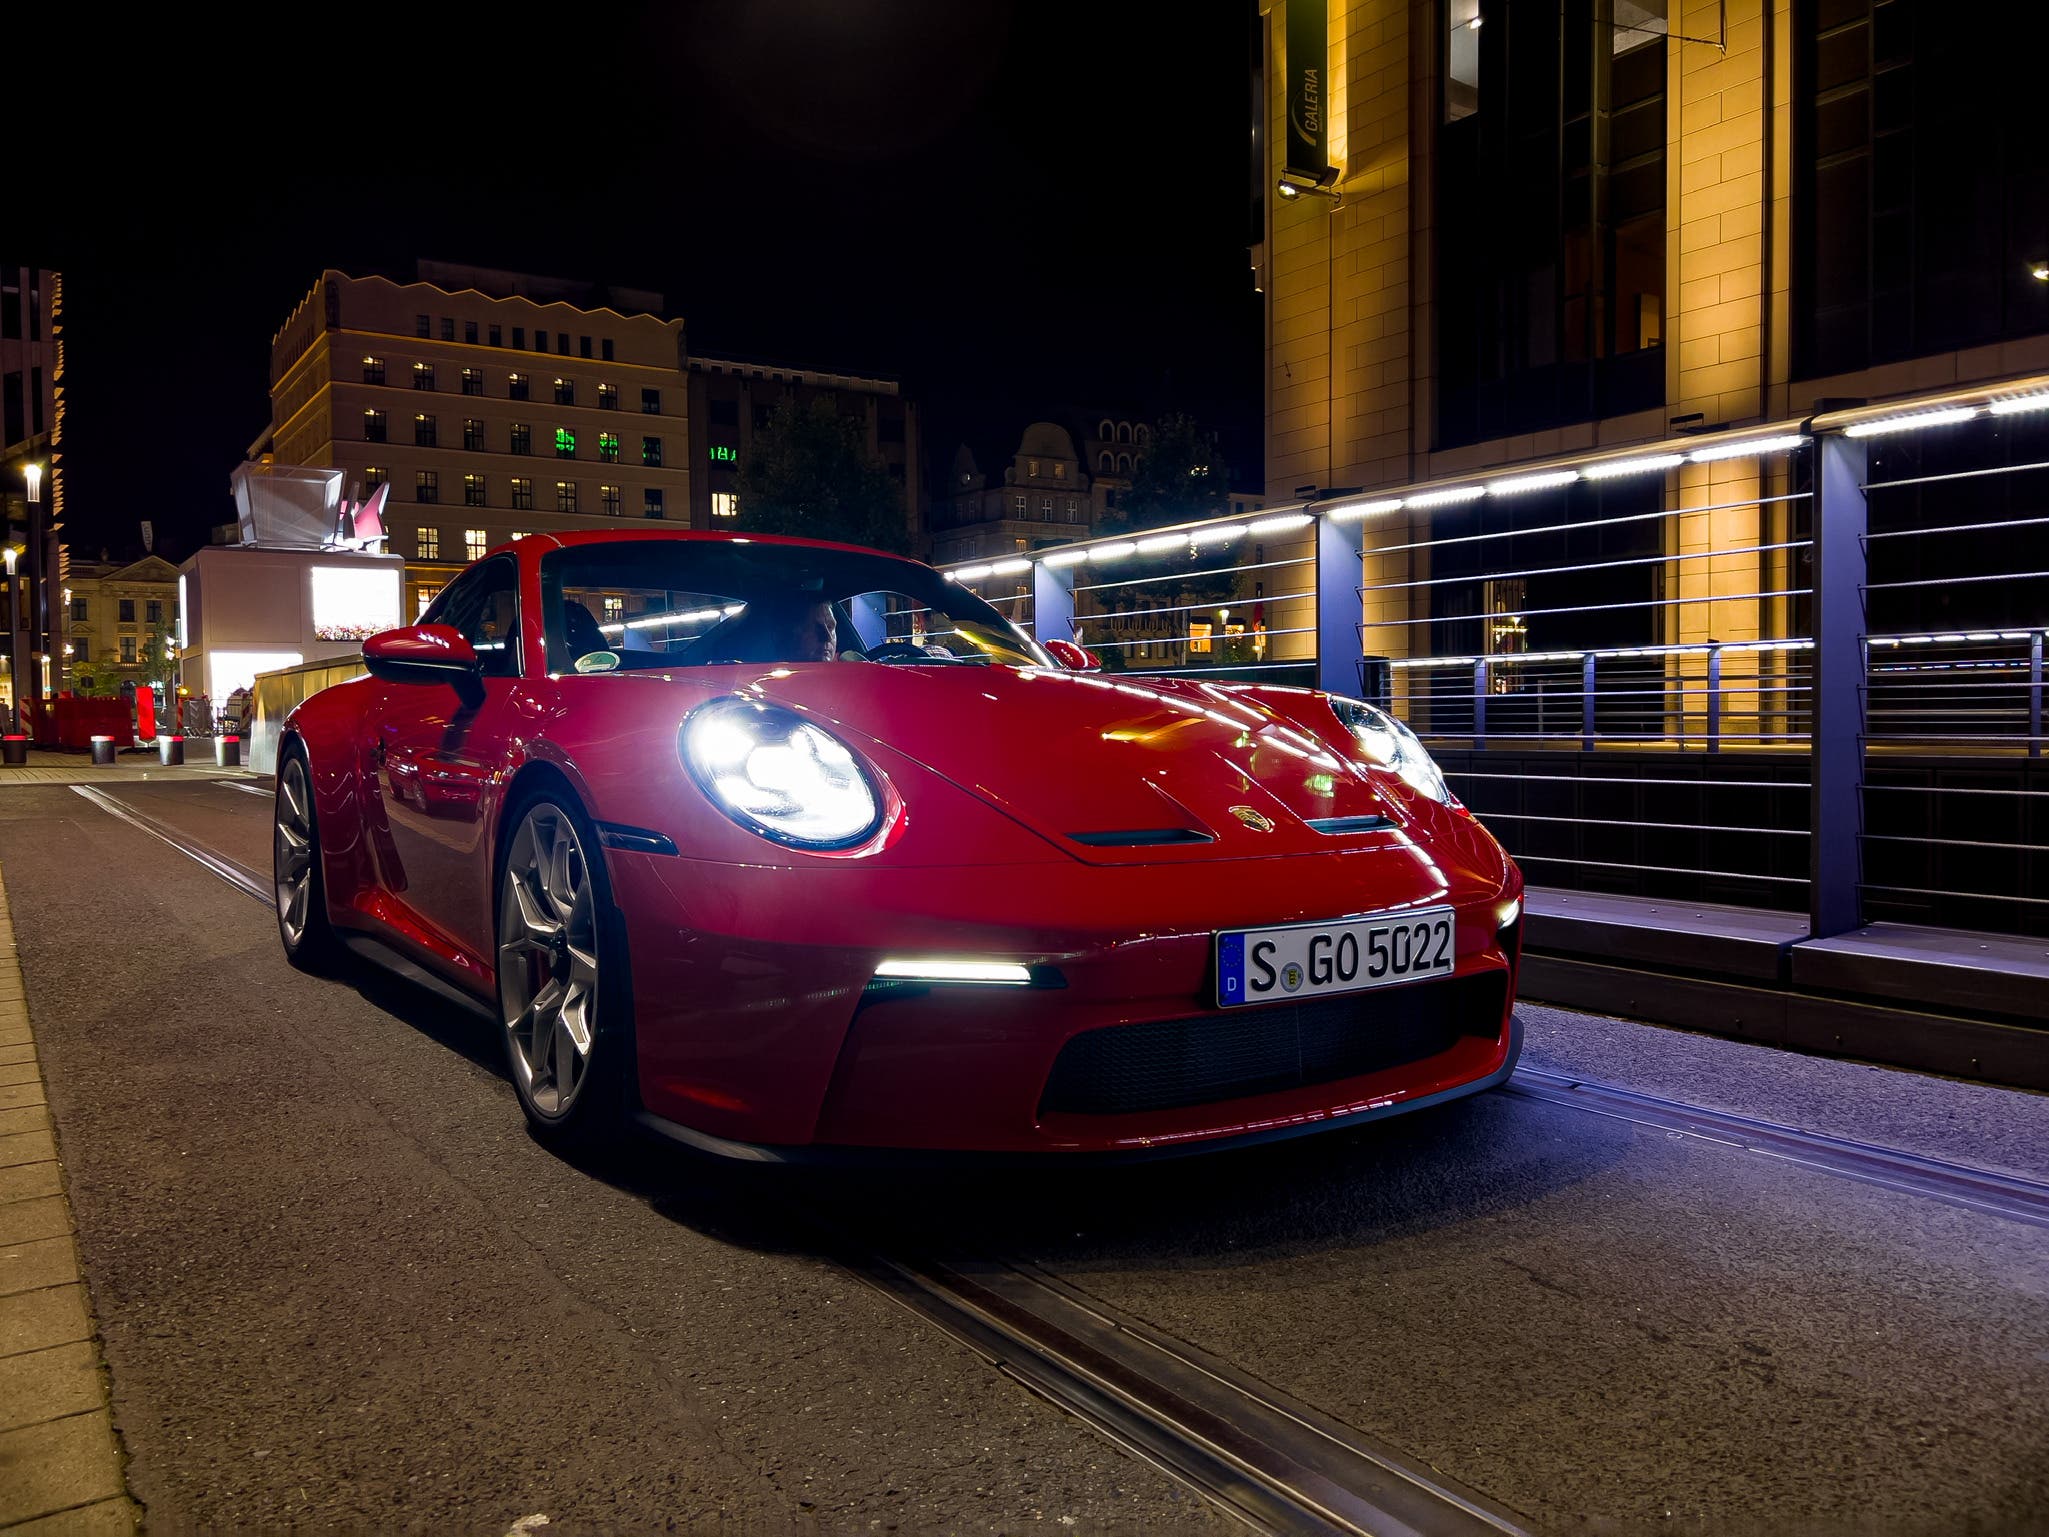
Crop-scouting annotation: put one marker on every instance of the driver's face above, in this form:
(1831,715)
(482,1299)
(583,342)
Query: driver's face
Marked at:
(815,636)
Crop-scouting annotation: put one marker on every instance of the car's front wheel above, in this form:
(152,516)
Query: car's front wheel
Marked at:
(298,883)
(561,1005)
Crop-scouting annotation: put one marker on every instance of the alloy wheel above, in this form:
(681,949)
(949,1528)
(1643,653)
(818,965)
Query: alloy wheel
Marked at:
(292,850)
(548,959)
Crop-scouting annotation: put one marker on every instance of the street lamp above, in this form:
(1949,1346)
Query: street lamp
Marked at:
(32,473)
(13,553)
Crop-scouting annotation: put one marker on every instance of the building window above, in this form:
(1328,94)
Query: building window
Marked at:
(565,392)
(725,504)
(565,443)
(651,504)
(608,397)
(608,447)
(522,439)
(473,381)
(651,452)
(153,611)
(473,435)
(516,535)
(522,494)
(426,601)
(562,343)
(497,337)
(723,413)
(473,491)
(1074,509)
(427,544)
(423,325)
(540,341)
(1032,468)
(608,501)
(423,376)
(1046,508)
(651,402)
(423,431)
(605,348)
(1106,462)
(128,651)
(1059,471)
(373,426)
(515,386)
(1022,504)
(374,476)
(474,543)
(427,486)
(373,370)
(79,614)
(583,346)
(615,608)
(448,328)
(469,332)
(126,612)
(565,496)
(519,337)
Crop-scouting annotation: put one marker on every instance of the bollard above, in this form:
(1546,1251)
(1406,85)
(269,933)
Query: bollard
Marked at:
(13,748)
(171,749)
(103,752)
(227,752)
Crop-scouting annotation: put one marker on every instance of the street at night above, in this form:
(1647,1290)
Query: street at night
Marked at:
(340,1286)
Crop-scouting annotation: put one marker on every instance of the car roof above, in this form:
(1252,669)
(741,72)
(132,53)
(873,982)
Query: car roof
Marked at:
(548,541)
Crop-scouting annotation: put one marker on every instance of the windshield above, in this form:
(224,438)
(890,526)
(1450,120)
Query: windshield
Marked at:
(641,604)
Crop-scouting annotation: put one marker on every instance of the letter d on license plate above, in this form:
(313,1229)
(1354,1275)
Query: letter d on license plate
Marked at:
(1307,960)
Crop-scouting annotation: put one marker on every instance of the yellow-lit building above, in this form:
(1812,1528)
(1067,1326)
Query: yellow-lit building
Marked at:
(114,609)
(1548,230)
(493,404)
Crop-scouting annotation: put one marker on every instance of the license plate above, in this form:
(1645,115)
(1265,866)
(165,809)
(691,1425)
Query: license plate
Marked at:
(1308,960)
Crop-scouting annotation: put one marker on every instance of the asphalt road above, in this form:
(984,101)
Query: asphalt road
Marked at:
(339,1285)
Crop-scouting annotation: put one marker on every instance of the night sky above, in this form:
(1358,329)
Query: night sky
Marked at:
(1016,206)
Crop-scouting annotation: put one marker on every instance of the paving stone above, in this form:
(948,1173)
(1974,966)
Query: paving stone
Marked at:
(20,1072)
(57,1465)
(46,1262)
(26,1221)
(36,1320)
(27,1118)
(15,1095)
(27,1147)
(48,1384)
(99,1519)
(30,1181)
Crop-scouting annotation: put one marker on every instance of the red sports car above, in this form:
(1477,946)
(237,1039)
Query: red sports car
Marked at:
(788,849)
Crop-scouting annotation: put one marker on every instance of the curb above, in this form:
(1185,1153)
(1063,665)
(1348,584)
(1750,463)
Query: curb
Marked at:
(61,1465)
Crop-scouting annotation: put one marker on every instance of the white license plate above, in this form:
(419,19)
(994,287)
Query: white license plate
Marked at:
(1307,960)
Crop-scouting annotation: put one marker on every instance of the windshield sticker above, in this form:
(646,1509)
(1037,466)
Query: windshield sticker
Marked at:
(597,661)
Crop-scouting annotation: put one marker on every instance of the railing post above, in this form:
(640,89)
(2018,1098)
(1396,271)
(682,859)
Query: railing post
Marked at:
(2035,695)
(1480,703)
(1052,602)
(1586,703)
(1714,699)
(1340,557)
(1836,870)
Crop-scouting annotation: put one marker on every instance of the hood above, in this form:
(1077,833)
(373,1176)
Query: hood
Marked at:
(1120,771)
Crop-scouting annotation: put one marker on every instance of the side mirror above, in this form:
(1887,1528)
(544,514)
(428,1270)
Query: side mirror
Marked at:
(1073,657)
(426,653)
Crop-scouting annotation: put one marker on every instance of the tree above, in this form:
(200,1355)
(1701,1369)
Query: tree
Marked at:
(1180,478)
(160,656)
(810,474)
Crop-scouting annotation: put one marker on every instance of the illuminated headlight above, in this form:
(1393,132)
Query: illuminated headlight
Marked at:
(778,775)
(1393,746)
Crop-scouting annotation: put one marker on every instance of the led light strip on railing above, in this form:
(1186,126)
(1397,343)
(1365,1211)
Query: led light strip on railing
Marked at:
(1697,648)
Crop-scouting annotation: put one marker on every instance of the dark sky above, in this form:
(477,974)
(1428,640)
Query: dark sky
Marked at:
(1017,206)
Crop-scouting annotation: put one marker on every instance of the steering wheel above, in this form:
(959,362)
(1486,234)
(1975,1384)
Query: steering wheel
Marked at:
(899,651)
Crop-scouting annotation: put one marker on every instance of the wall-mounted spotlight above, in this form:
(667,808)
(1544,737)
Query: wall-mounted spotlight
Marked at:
(1294,184)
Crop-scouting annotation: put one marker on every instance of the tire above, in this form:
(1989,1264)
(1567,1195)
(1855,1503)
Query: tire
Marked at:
(298,883)
(564,1004)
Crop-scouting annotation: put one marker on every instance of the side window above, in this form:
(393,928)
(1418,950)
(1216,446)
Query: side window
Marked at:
(483,603)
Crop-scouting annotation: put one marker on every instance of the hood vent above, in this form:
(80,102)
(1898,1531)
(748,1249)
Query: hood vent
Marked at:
(1338,826)
(1141,837)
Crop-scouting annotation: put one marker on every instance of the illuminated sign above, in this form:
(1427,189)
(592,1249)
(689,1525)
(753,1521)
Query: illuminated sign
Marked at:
(565,442)
(720,454)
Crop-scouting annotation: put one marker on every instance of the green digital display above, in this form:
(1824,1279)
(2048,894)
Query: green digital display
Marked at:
(720,454)
(565,441)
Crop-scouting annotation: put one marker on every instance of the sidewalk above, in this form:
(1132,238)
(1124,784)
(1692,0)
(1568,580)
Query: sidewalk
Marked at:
(46,766)
(60,1464)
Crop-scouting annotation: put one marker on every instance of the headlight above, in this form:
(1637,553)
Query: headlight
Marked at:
(778,775)
(1394,746)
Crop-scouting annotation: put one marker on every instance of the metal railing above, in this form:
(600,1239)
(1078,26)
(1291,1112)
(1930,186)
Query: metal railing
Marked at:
(1800,665)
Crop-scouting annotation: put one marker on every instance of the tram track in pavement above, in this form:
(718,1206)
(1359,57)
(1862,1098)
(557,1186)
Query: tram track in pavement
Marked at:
(1275,1463)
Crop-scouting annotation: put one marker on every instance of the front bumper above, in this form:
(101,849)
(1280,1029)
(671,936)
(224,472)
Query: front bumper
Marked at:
(757,1027)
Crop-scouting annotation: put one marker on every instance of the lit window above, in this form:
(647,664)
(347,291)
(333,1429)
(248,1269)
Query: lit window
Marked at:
(427,545)
(1059,471)
(1033,467)
(725,504)
(423,430)
(608,395)
(608,447)
(522,439)
(565,392)
(565,443)
(374,476)
(651,504)
(423,376)
(1198,638)
(427,486)
(615,608)
(427,597)
(473,435)
(515,384)
(608,501)
(651,452)
(373,370)
(473,381)
(373,426)
(473,491)
(473,543)
(565,496)
(522,494)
